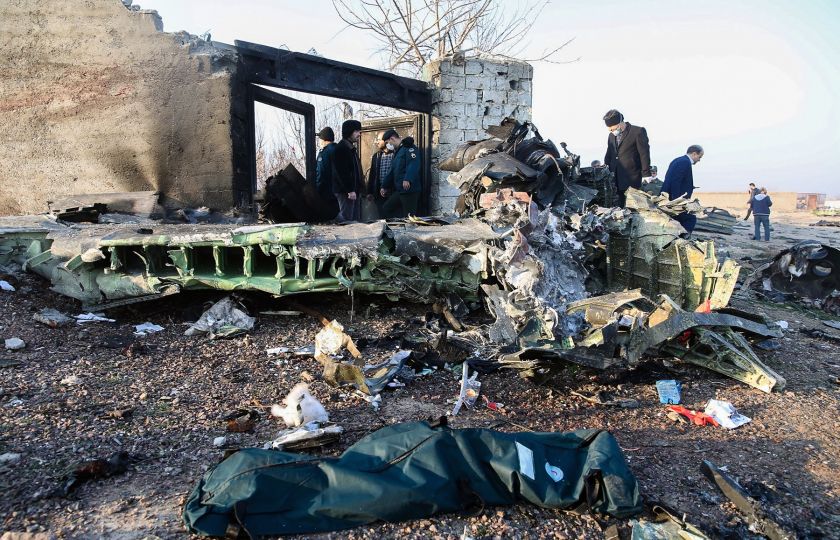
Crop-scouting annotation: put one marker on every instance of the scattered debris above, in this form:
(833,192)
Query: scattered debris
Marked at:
(470,388)
(716,220)
(274,351)
(92,317)
(52,318)
(6,286)
(15,344)
(146,328)
(301,408)
(223,319)
(310,435)
(94,469)
(669,391)
(806,272)
(72,380)
(698,418)
(758,518)
(665,526)
(282,313)
(725,414)
(241,421)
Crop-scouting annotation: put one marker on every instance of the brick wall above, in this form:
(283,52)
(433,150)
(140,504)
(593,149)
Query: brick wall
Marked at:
(470,94)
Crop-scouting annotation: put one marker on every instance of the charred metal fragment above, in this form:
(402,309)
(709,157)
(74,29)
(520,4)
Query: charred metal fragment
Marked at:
(757,516)
(807,269)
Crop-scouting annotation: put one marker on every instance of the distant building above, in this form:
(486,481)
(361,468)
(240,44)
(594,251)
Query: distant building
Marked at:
(810,201)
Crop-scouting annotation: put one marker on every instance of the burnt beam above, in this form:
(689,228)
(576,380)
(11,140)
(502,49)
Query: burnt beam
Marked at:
(260,64)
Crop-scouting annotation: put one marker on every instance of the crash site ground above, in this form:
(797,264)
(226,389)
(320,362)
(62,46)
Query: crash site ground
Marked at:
(80,392)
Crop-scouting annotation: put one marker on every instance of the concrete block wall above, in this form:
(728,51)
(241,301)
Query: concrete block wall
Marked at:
(471,94)
(95,98)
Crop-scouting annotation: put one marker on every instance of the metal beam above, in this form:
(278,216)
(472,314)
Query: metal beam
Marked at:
(260,64)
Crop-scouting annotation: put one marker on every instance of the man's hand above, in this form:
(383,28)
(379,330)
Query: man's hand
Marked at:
(383,192)
(352,195)
(406,185)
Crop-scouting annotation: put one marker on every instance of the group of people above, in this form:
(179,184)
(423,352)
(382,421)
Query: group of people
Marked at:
(628,158)
(393,182)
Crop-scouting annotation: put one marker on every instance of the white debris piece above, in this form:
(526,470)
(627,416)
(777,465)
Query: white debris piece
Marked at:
(146,328)
(725,414)
(277,350)
(312,430)
(6,286)
(219,441)
(223,319)
(92,317)
(52,317)
(72,380)
(92,255)
(301,408)
(9,457)
(15,344)
(783,324)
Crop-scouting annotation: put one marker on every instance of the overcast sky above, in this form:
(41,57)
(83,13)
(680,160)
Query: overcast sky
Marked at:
(752,81)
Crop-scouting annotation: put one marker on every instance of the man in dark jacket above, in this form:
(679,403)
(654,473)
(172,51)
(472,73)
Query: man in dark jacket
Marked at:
(324,164)
(628,153)
(404,179)
(760,205)
(347,178)
(380,165)
(752,191)
(679,182)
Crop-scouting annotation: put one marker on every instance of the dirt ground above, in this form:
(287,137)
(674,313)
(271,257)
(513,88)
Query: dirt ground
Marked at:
(179,388)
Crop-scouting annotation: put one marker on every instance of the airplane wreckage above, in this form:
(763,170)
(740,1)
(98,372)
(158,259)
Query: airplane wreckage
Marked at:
(568,277)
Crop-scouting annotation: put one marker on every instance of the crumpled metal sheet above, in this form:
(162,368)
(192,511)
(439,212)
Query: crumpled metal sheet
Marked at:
(807,269)
(468,152)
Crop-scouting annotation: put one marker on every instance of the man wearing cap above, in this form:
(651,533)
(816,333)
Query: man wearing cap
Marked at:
(403,181)
(324,166)
(347,177)
(628,153)
(679,182)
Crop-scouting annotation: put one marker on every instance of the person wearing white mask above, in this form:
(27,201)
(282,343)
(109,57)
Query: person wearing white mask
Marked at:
(380,166)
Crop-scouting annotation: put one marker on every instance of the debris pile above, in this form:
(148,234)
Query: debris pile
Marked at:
(565,276)
(808,272)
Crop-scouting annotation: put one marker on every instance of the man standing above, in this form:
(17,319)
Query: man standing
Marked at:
(347,180)
(653,185)
(324,164)
(760,205)
(628,153)
(752,191)
(679,182)
(404,179)
(380,165)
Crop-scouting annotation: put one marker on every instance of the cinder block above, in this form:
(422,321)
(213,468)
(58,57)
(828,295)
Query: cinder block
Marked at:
(473,67)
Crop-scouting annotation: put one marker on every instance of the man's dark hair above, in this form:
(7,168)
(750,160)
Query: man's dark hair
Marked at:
(752,184)
(694,149)
(613,117)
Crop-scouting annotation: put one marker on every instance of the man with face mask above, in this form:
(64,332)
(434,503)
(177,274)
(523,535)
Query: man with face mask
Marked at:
(380,166)
(403,181)
(679,182)
(628,153)
(347,178)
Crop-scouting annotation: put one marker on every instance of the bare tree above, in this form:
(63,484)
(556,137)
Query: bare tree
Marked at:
(412,32)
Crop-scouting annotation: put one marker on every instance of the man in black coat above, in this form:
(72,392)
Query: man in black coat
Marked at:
(628,153)
(347,178)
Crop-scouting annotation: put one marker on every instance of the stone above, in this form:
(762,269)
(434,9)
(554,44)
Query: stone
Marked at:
(473,67)
(9,457)
(15,344)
